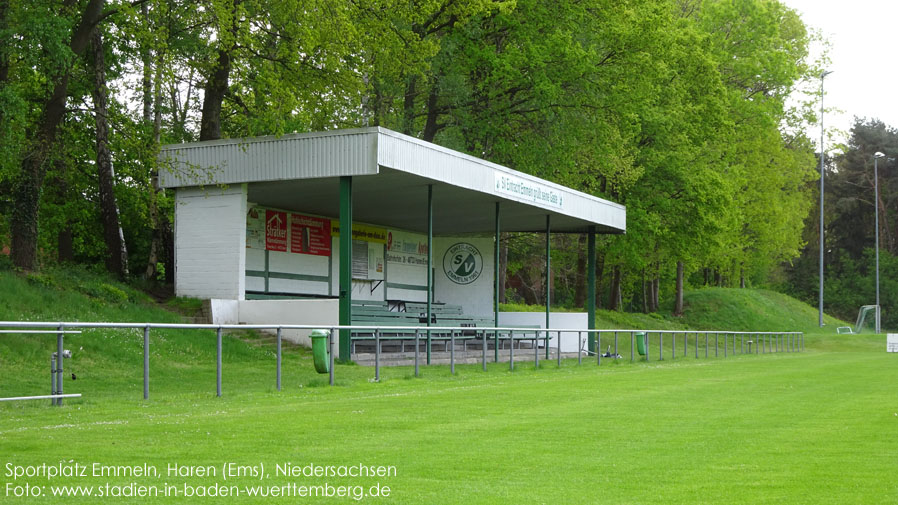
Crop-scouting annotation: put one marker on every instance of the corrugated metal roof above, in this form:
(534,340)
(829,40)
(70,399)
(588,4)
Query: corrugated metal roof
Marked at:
(295,156)
(364,151)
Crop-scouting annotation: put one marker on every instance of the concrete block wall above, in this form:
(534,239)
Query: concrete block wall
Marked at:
(570,340)
(210,242)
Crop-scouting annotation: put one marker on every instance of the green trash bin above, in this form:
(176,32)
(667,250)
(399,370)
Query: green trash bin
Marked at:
(319,350)
(640,342)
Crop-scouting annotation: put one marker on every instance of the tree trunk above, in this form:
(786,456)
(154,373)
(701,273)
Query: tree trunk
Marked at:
(884,230)
(678,305)
(28,183)
(614,303)
(116,251)
(707,272)
(645,297)
(155,218)
(216,87)
(656,287)
(146,58)
(430,125)
(408,106)
(741,277)
(580,276)
(65,240)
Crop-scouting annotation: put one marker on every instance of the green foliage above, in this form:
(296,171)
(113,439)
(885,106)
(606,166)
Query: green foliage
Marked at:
(675,109)
(850,264)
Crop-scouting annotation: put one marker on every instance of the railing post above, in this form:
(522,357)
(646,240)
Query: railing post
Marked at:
(452,352)
(146,362)
(330,352)
(558,347)
(511,351)
(660,346)
(279,360)
(598,347)
(52,379)
(483,336)
(417,352)
(218,363)
(377,355)
(59,360)
(632,351)
(579,347)
(536,348)
(615,345)
(706,345)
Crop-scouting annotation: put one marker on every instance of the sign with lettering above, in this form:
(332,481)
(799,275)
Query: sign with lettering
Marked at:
(255,229)
(275,230)
(462,263)
(310,235)
(405,248)
(892,342)
(362,232)
(527,190)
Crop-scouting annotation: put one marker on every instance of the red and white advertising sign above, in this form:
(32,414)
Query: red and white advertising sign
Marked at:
(310,235)
(275,230)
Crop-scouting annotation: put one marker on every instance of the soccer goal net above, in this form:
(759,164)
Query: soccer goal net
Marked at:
(866,318)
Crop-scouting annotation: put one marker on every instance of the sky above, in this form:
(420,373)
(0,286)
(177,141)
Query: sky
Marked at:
(861,51)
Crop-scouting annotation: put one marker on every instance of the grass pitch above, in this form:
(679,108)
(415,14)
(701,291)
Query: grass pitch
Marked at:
(816,427)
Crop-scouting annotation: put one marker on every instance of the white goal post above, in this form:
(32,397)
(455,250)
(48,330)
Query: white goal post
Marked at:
(863,316)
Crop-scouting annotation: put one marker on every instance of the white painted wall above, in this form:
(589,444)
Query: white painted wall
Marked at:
(561,320)
(210,242)
(475,298)
(323,313)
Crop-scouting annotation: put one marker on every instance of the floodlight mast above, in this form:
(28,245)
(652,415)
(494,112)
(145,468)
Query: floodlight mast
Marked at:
(822,156)
(876,157)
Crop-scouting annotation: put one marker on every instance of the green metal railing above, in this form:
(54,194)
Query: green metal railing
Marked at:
(757,342)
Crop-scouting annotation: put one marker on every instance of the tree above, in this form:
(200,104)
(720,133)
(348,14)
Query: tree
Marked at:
(28,183)
(116,251)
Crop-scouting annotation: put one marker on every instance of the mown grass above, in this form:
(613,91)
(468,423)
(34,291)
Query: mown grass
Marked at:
(815,427)
(727,309)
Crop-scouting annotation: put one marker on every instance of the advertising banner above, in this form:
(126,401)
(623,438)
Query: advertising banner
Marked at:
(276,230)
(405,248)
(362,232)
(310,235)
(255,229)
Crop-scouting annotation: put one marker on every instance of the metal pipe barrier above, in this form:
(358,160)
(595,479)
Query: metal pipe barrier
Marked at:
(785,341)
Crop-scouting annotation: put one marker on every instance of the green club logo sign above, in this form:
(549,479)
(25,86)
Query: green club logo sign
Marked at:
(462,263)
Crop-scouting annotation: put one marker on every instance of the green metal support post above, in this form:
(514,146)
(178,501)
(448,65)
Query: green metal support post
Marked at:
(345,265)
(496,289)
(591,285)
(429,264)
(548,278)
